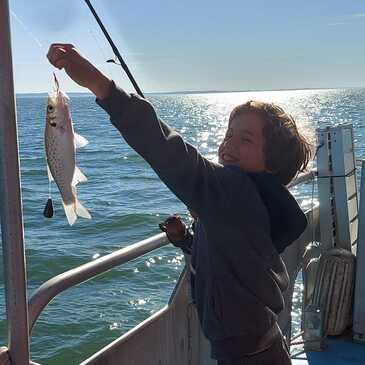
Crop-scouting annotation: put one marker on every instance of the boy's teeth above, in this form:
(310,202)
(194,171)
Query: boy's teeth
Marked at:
(228,158)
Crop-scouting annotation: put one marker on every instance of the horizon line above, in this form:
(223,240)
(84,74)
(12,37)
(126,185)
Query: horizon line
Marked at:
(205,91)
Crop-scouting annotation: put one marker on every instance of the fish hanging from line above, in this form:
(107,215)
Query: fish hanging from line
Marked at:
(60,144)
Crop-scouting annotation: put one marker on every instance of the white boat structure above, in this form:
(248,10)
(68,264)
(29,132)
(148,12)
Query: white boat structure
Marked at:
(333,321)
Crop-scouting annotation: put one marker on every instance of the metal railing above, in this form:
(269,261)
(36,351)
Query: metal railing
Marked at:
(301,178)
(54,286)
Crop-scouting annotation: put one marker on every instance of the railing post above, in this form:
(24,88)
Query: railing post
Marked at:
(359,301)
(337,187)
(10,203)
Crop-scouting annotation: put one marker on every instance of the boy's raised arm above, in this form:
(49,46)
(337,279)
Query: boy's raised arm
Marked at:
(196,181)
(66,56)
(193,179)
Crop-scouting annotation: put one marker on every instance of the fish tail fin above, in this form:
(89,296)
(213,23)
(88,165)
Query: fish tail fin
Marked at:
(81,211)
(70,213)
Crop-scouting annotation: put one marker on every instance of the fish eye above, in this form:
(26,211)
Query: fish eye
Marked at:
(50,108)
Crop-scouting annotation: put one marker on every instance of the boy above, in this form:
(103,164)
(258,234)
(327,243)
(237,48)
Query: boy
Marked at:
(245,215)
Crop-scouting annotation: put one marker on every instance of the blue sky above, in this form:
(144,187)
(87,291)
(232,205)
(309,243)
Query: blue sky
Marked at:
(173,45)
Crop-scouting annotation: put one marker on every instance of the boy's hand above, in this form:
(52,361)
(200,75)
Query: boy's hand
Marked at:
(80,70)
(174,227)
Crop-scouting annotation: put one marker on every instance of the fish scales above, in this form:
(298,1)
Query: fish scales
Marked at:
(60,142)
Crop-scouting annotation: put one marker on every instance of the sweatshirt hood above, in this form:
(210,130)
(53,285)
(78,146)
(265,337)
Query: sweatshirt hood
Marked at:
(287,220)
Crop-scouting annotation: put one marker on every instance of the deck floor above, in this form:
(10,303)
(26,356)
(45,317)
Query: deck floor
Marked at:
(338,352)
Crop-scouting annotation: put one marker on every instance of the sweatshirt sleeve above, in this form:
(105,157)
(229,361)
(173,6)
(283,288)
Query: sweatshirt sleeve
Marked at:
(197,182)
(186,243)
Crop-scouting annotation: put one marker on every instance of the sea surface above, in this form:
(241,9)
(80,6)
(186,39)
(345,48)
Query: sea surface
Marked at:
(127,201)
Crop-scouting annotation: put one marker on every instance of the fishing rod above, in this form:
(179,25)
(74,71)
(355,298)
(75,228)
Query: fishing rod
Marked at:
(48,210)
(115,49)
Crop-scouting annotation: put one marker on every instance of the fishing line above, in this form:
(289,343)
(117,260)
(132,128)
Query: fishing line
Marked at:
(115,49)
(315,175)
(97,43)
(40,45)
(312,214)
(312,202)
(48,209)
(49,190)
(31,35)
(102,52)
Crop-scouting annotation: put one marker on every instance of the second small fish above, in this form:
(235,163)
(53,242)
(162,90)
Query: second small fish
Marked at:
(60,144)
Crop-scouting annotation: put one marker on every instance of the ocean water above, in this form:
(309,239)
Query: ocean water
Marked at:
(127,201)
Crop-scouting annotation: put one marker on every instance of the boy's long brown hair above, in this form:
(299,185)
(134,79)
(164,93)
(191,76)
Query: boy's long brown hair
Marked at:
(286,151)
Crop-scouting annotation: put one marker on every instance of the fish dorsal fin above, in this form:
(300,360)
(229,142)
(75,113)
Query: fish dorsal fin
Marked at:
(50,177)
(80,141)
(78,177)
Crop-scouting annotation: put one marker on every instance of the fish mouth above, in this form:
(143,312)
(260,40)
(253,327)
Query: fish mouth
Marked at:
(50,121)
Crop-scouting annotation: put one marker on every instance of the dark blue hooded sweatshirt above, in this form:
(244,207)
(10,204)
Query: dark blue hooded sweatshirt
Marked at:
(245,221)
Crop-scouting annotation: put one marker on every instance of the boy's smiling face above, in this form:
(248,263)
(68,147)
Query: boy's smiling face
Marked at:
(243,144)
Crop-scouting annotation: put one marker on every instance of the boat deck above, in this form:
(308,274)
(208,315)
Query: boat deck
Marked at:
(338,352)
